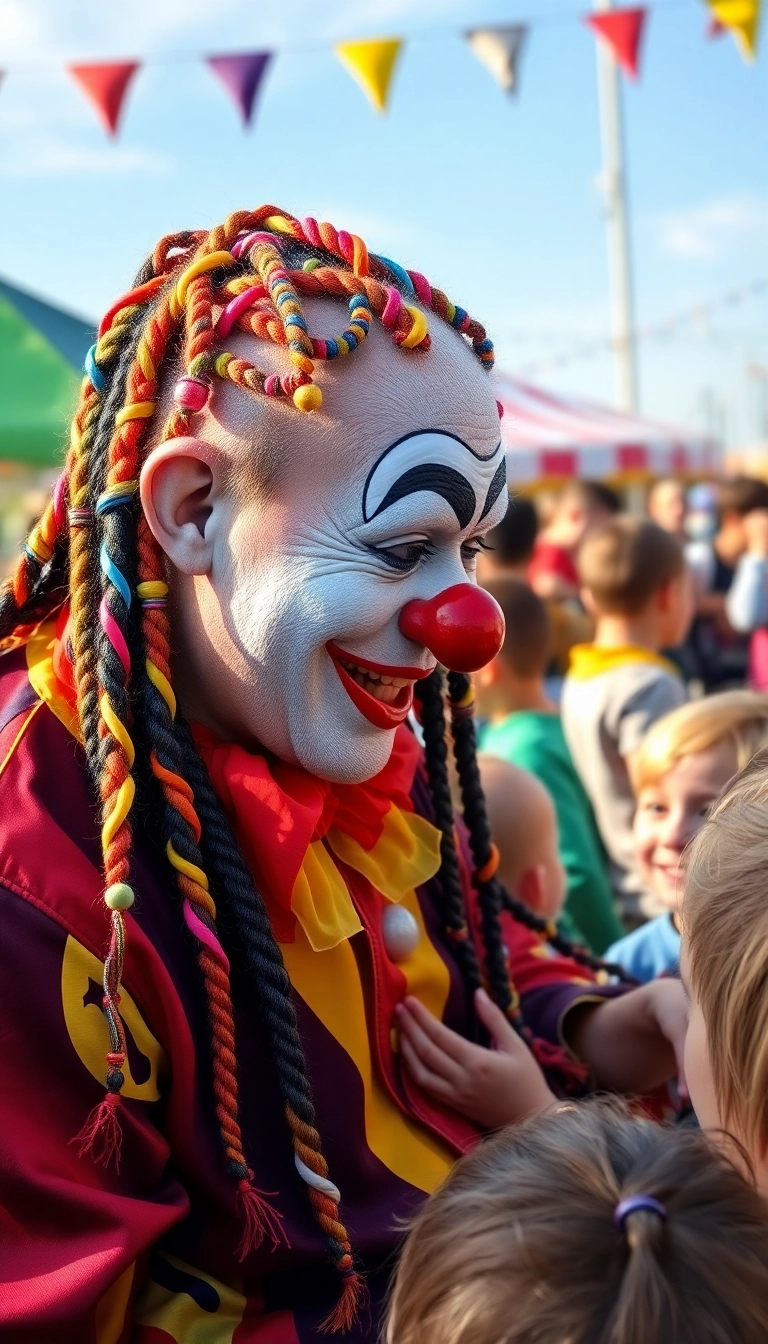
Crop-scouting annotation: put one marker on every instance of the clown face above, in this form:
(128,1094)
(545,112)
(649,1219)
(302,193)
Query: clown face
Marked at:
(290,615)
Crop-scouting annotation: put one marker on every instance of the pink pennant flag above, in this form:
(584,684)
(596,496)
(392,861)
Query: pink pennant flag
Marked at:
(106,87)
(241,76)
(622,29)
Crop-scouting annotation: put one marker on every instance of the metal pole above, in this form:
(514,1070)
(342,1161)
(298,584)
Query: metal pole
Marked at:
(614,188)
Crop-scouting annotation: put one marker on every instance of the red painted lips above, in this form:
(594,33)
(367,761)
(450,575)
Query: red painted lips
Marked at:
(383,694)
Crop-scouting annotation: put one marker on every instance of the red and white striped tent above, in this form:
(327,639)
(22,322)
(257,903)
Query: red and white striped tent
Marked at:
(551,438)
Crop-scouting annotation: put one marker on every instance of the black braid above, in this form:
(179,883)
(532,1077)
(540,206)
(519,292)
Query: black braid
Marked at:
(98,453)
(159,737)
(493,894)
(237,894)
(430,694)
(48,592)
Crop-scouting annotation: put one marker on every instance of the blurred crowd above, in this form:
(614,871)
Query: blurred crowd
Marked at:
(632,685)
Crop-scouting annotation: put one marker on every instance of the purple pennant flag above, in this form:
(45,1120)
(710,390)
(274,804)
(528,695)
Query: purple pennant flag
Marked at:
(241,76)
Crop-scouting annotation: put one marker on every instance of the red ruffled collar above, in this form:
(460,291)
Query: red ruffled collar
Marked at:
(278,810)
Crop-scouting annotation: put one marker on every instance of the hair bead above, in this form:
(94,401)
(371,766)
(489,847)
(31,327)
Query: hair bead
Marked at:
(93,371)
(192,393)
(119,896)
(491,867)
(308,397)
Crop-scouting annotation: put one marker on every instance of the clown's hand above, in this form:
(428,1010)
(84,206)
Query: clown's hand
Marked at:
(492,1087)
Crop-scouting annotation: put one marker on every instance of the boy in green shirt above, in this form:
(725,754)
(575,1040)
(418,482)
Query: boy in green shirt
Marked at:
(523,727)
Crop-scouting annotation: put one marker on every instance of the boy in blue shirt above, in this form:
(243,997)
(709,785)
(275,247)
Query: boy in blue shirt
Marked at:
(682,767)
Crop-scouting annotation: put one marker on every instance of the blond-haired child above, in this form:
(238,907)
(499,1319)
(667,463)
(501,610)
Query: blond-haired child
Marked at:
(589,1225)
(635,582)
(724,966)
(681,769)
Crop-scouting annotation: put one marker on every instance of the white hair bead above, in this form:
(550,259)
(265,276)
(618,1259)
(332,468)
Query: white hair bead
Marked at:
(400,932)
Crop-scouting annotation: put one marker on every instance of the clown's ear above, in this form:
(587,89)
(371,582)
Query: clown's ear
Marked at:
(179,496)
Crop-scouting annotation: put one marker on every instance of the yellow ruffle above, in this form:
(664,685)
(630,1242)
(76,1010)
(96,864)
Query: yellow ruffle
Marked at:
(406,854)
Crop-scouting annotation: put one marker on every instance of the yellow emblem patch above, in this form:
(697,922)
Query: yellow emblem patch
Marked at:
(81,995)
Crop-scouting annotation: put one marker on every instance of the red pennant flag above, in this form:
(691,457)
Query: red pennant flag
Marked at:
(241,76)
(106,86)
(622,29)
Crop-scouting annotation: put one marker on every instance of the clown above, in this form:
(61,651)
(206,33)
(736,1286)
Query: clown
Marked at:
(244,936)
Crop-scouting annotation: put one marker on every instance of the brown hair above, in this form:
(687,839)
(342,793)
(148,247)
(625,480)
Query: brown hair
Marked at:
(519,1245)
(725,916)
(741,494)
(624,561)
(528,639)
(591,496)
(511,541)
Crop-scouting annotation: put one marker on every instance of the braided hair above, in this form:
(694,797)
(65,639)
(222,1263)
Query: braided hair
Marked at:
(93,546)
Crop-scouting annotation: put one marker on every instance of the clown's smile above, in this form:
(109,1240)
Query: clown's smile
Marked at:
(384,695)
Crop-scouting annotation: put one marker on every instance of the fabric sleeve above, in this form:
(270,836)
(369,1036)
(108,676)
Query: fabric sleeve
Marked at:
(649,703)
(589,899)
(746,604)
(74,1237)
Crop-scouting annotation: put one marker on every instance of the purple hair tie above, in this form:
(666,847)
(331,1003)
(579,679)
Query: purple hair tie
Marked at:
(637,1204)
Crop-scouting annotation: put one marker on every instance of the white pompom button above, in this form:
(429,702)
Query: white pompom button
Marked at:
(401,932)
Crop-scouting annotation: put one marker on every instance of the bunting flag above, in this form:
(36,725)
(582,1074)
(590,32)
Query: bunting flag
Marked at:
(742,19)
(241,76)
(106,86)
(499,50)
(622,29)
(371,64)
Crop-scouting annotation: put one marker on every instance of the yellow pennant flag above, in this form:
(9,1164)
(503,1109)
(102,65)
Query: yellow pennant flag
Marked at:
(372,65)
(742,18)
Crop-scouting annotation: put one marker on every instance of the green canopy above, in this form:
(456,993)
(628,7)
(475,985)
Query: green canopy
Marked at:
(42,350)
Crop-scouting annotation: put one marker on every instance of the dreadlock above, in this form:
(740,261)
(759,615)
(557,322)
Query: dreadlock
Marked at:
(93,544)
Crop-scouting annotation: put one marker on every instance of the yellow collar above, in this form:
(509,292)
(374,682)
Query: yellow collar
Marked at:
(592,660)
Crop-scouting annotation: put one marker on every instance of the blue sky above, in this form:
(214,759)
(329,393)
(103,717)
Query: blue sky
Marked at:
(494,198)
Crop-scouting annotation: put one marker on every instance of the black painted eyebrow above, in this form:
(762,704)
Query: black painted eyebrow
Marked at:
(494,489)
(438,479)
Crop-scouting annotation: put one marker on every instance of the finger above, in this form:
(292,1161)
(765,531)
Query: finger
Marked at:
(678,1045)
(431,1054)
(503,1035)
(422,1076)
(446,1040)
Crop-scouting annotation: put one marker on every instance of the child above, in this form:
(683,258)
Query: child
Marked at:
(635,582)
(720,653)
(724,966)
(586,1226)
(523,727)
(509,545)
(681,769)
(583,505)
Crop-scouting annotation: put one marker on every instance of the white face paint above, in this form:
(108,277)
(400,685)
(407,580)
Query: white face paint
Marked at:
(372,509)
(317,613)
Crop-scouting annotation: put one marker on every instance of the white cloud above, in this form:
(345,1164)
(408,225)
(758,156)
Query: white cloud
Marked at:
(707,231)
(49,155)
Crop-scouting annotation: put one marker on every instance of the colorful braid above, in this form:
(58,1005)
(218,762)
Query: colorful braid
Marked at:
(235,885)
(184,830)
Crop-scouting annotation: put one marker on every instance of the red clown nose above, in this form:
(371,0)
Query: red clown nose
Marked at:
(462,626)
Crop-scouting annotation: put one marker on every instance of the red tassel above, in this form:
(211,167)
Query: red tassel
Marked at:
(102,1135)
(571,1073)
(261,1220)
(346,1313)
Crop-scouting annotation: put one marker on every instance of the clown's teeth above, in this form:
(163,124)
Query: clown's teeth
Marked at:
(376,683)
(386,689)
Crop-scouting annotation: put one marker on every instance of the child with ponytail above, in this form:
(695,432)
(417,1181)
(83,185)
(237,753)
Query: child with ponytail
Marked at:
(591,1226)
